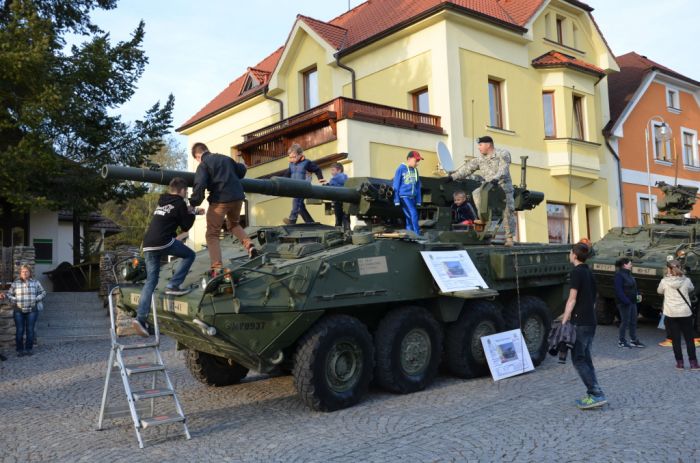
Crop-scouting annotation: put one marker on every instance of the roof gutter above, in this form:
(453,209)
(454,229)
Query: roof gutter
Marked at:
(346,67)
(280,102)
(426,14)
(619,179)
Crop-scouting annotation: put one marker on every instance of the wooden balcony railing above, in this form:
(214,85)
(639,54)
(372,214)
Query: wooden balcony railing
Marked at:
(317,126)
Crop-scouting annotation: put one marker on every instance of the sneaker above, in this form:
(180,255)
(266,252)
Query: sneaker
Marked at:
(679,365)
(509,242)
(666,343)
(623,343)
(140,327)
(694,365)
(29,353)
(697,342)
(252,253)
(177,291)
(591,401)
(287,221)
(636,343)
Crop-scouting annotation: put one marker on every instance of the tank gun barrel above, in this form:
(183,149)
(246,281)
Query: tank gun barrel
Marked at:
(276,186)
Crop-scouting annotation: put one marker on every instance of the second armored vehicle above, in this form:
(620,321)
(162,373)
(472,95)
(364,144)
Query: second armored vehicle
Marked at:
(340,309)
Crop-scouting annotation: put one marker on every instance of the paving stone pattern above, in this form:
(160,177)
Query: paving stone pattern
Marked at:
(49,405)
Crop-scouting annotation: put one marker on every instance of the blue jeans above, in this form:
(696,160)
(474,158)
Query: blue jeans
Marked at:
(25,322)
(628,318)
(581,358)
(299,209)
(409,211)
(177,249)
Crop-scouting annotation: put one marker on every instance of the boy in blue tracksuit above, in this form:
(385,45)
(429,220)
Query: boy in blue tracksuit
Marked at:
(407,190)
(338,178)
(300,168)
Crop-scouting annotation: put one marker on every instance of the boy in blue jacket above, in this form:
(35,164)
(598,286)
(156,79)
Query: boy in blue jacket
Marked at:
(300,168)
(407,192)
(338,178)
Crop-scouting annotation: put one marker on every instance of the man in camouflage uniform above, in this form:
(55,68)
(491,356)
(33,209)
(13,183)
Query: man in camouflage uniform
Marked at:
(493,165)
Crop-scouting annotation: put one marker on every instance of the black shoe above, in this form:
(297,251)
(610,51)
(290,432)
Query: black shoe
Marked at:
(252,253)
(177,291)
(636,343)
(2,358)
(29,353)
(140,327)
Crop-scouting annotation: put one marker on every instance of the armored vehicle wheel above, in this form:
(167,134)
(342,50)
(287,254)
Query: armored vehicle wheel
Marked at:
(534,322)
(333,363)
(605,311)
(212,370)
(465,354)
(408,345)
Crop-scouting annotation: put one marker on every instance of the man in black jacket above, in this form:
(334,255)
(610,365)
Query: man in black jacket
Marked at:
(160,240)
(221,176)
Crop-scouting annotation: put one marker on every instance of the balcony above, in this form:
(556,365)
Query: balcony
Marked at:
(318,126)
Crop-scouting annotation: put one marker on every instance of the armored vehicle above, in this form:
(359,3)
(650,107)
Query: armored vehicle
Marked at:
(340,309)
(671,236)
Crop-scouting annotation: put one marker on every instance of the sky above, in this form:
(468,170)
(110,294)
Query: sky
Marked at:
(196,49)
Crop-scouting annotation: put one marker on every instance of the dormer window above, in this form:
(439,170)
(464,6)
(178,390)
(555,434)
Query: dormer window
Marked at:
(250,82)
(310,80)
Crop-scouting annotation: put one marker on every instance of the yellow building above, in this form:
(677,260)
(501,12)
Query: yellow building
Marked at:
(386,77)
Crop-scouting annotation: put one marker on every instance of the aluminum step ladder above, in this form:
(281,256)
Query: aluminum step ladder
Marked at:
(142,401)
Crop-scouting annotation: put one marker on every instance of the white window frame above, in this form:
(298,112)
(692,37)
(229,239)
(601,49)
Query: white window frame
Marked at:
(670,105)
(696,160)
(654,126)
(652,207)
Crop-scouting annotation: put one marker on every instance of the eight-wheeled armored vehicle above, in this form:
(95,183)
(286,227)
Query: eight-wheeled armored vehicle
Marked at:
(340,309)
(671,236)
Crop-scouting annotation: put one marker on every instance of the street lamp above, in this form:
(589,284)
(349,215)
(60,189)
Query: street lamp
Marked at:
(664,134)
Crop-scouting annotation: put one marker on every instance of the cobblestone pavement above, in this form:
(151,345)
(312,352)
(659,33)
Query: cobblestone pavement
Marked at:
(49,405)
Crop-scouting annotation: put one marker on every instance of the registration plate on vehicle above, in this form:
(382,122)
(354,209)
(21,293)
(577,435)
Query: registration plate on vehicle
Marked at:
(604,267)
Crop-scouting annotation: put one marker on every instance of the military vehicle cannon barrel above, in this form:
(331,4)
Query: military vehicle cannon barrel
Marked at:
(276,186)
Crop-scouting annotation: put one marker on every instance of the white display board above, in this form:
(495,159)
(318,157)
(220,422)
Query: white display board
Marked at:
(507,354)
(453,270)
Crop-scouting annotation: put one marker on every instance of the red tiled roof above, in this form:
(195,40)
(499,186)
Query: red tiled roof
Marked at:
(371,19)
(623,85)
(260,75)
(555,59)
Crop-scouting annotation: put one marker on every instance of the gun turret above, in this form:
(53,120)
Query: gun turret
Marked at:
(370,199)
(677,201)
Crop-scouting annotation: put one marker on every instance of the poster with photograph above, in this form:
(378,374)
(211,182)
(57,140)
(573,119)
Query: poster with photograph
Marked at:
(453,270)
(507,354)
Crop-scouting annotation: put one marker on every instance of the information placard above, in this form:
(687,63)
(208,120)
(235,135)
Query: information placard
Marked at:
(453,270)
(507,354)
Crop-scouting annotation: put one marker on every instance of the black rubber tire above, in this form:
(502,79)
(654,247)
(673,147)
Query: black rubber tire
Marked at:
(213,370)
(465,355)
(605,311)
(391,333)
(535,322)
(345,337)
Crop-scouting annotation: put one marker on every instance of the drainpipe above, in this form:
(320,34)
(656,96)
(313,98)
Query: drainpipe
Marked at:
(280,102)
(347,68)
(619,177)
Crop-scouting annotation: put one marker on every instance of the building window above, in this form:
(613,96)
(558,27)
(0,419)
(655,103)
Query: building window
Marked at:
(558,221)
(495,103)
(672,98)
(421,101)
(690,148)
(578,128)
(43,251)
(644,207)
(310,88)
(550,127)
(560,30)
(662,151)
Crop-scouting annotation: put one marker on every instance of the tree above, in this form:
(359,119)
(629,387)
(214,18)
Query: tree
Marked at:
(56,123)
(135,216)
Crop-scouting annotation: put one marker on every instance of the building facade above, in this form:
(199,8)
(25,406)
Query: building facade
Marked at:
(654,129)
(387,77)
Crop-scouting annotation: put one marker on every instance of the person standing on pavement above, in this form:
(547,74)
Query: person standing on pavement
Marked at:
(300,168)
(407,190)
(26,294)
(222,176)
(580,311)
(494,166)
(160,240)
(676,289)
(626,298)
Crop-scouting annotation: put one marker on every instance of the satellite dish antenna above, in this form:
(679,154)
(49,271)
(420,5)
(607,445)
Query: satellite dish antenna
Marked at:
(444,157)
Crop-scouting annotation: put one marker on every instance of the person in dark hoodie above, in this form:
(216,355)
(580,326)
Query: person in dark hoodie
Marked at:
(160,240)
(626,298)
(222,176)
(300,168)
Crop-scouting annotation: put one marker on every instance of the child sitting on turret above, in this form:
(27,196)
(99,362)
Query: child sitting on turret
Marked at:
(462,212)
